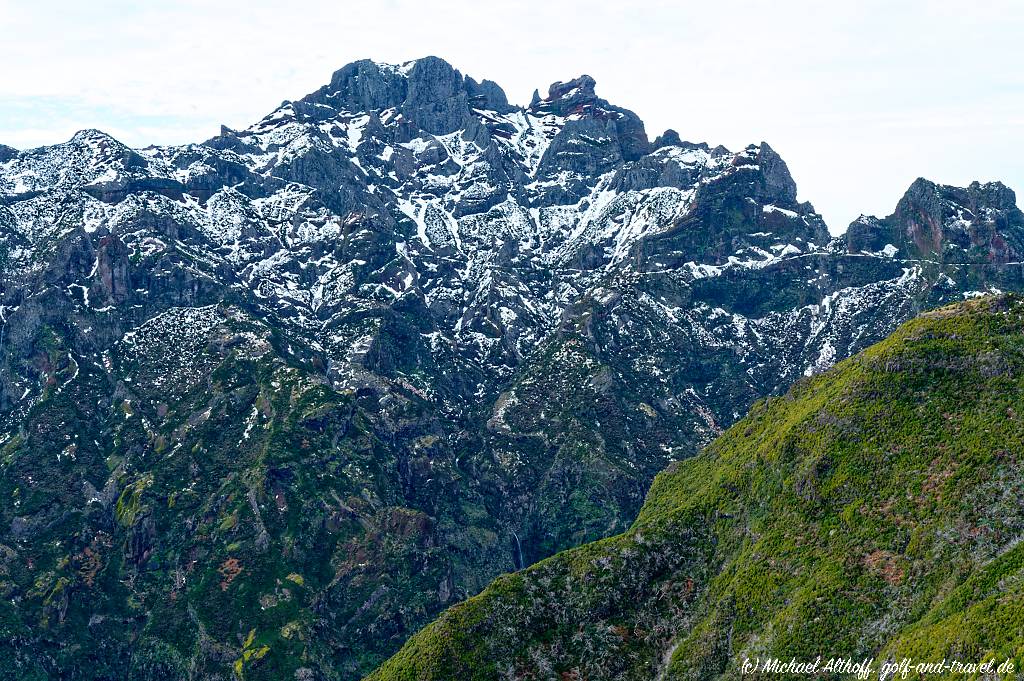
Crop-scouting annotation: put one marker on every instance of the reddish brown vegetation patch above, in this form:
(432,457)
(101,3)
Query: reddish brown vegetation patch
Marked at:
(229,570)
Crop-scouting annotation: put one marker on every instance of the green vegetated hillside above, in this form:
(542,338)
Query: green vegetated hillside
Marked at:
(227,524)
(874,510)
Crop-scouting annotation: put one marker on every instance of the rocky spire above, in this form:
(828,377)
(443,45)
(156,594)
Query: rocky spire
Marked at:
(572,96)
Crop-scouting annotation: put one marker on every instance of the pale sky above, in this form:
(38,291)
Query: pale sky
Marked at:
(860,98)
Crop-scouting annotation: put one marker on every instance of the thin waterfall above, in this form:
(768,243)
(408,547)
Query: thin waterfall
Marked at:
(519,550)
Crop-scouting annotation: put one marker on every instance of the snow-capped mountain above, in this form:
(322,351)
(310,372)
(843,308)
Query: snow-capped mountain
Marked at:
(398,337)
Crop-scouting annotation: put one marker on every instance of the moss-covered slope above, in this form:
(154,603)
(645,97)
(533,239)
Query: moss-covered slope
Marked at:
(874,510)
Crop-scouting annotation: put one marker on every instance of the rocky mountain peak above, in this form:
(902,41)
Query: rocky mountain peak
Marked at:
(993,195)
(669,138)
(582,88)
(938,199)
(364,85)
(429,92)
(92,135)
(576,96)
(776,173)
(977,223)
(487,95)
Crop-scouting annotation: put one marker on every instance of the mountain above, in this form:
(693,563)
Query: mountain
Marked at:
(319,379)
(978,224)
(870,512)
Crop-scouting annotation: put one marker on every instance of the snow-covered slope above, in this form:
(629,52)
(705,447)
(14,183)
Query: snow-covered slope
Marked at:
(407,330)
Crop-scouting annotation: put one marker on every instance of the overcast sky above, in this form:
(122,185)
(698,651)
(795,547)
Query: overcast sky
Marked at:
(860,98)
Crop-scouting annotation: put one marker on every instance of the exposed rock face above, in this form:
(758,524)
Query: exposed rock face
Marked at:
(343,367)
(950,224)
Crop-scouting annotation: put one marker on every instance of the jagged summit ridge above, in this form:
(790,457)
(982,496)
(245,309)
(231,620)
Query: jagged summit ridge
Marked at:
(431,93)
(436,96)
